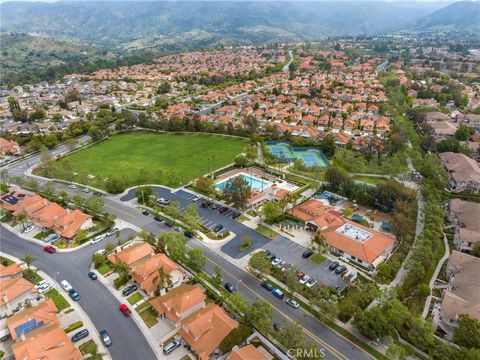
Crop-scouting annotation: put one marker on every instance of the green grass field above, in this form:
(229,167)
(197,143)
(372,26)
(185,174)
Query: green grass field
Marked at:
(142,158)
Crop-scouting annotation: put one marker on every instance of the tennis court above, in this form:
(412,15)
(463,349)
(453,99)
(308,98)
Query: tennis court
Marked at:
(284,152)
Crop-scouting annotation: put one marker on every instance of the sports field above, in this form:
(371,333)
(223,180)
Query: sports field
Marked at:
(143,158)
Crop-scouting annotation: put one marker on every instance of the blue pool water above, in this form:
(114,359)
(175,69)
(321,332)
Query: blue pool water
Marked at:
(254,182)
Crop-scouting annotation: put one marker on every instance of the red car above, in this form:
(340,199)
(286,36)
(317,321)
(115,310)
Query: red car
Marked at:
(125,310)
(50,249)
(300,275)
(223,209)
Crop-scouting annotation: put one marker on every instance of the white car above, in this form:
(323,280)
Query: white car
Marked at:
(43,289)
(72,186)
(100,252)
(293,303)
(304,279)
(97,239)
(40,284)
(163,201)
(86,190)
(111,232)
(28,229)
(66,285)
(276,261)
(197,198)
(310,283)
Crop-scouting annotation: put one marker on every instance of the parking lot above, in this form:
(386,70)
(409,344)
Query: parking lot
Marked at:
(291,252)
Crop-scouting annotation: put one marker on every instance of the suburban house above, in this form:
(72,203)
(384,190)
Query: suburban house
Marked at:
(14,294)
(20,324)
(463,172)
(46,342)
(205,329)
(471,120)
(465,217)
(132,255)
(46,214)
(179,303)
(247,352)
(462,296)
(10,271)
(355,243)
(146,273)
(8,147)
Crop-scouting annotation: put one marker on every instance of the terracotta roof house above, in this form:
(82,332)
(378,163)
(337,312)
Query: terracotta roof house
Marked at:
(463,172)
(133,254)
(462,295)
(10,271)
(465,215)
(205,329)
(248,352)
(443,129)
(48,342)
(29,319)
(179,303)
(8,147)
(145,273)
(14,293)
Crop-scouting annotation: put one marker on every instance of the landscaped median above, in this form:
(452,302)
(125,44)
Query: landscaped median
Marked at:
(264,230)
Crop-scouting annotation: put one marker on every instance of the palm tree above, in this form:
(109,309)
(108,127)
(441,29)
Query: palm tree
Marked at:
(121,268)
(28,259)
(163,278)
(21,218)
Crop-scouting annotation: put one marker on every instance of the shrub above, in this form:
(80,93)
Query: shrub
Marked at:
(74,326)
(236,337)
(120,281)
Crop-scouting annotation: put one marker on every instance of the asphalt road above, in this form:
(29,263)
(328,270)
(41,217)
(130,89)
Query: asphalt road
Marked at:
(100,306)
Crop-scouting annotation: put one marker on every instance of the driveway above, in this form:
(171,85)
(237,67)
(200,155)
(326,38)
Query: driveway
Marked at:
(292,252)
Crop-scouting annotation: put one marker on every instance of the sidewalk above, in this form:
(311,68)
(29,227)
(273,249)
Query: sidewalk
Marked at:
(87,323)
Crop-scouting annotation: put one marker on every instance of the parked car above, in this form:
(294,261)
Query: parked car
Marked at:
(293,303)
(106,339)
(111,232)
(230,287)
(204,204)
(188,234)
(72,186)
(334,265)
(97,193)
(162,201)
(277,293)
(92,275)
(266,253)
(280,264)
(157,218)
(101,252)
(307,254)
(86,190)
(66,285)
(44,288)
(125,310)
(218,228)
(50,249)
(271,257)
(267,285)
(197,198)
(172,345)
(236,214)
(214,206)
(340,269)
(97,239)
(74,295)
(223,209)
(146,212)
(129,289)
(80,335)
(311,283)
(28,229)
(276,261)
(304,279)
(168,224)
(40,284)
(300,275)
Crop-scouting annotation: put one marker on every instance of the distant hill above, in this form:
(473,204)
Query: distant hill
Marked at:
(459,15)
(125,22)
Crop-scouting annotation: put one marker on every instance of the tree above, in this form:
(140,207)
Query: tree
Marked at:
(164,88)
(237,190)
(328,145)
(98,259)
(196,259)
(373,323)
(163,278)
(260,315)
(121,268)
(175,247)
(464,132)
(81,236)
(191,216)
(94,204)
(238,303)
(109,247)
(115,185)
(467,333)
(173,210)
(395,352)
(423,290)
(271,212)
(21,218)
(28,260)
(143,194)
(246,242)
(259,262)
(241,160)
(335,177)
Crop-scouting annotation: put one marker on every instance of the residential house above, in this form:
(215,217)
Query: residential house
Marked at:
(248,352)
(471,120)
(179,303)
(132,255)
(14,294)
(146,273)
(10,271)
(462,296)
(465,216)
(46,342)
(8,147)
(205,329)
(463,172)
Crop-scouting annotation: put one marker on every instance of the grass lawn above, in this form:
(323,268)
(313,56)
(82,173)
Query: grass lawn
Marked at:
(104,268)
(262,229)
(372,180)
(60,302)
(135,298)
(149,316)
(142,307)
(145,158)
(4,261)
(88,348)
(318,259)
(31,276)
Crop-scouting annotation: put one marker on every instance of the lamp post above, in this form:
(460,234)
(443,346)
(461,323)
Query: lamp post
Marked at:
(55,281)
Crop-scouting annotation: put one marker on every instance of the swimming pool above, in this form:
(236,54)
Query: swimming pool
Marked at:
(253,181)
